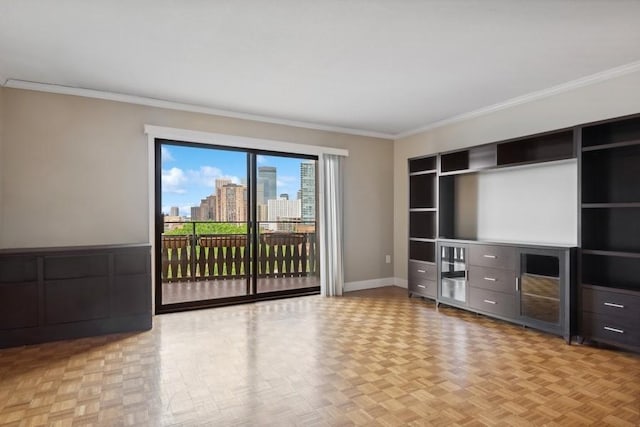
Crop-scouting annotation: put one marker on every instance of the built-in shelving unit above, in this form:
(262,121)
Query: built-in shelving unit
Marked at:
(610,232)
(423,223)
(538,286)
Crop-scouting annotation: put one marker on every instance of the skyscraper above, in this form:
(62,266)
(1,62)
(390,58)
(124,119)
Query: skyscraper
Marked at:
(233,203)
(174,211)
(308,190)
(267,178)
(195,213)
(208,211)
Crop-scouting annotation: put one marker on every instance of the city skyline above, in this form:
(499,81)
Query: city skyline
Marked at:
(189,174)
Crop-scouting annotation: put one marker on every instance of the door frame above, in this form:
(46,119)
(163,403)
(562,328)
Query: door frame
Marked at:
(252,230)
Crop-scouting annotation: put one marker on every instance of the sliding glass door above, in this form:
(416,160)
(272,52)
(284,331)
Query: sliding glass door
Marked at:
(232,225)
(286,224)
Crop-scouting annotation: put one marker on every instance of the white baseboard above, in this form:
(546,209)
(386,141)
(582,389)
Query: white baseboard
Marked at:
(374,283)
(401,283)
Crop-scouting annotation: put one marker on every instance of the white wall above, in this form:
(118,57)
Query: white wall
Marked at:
(611,98)
(536,204)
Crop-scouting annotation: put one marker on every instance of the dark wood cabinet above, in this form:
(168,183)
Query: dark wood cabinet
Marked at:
(530,285)
(610,232)
(60,293)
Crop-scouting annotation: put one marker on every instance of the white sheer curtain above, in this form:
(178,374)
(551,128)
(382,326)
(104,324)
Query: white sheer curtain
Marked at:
(331,240)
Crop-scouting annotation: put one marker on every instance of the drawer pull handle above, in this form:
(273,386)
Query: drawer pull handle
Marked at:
(488,301)
(489,256)
(422,286)
(421,271)
(517,284)
(619,331)
(611,304)
(491,279)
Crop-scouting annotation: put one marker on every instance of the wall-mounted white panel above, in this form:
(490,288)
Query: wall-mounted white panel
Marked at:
(534,204)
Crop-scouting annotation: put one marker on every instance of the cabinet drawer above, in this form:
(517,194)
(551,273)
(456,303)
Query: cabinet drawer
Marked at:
(493,279)
(497,303)
(421,271)
(622,306)
(492,256)
(425,288)
(608,328)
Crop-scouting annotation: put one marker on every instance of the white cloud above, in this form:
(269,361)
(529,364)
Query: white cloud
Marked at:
(207,175)
(172,181)
(165,154)
(260,159)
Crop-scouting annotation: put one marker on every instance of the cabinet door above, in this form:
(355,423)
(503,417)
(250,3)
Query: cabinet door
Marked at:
(453,273)
(540,289)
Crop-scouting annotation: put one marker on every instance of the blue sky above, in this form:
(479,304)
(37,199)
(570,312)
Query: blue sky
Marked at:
(189,174)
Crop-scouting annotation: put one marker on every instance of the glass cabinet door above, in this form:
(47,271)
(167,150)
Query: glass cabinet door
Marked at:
(540,295)
(453,273)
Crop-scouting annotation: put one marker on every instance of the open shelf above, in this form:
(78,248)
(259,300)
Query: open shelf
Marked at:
(422,224)
(610,271)
(422,251)
(549,147)
(611,176)
(454,162)
(422,164)
(619,132)
(616,230)
(422,191)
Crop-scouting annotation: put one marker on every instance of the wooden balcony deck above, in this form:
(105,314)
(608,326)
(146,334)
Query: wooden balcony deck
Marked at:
(177,292)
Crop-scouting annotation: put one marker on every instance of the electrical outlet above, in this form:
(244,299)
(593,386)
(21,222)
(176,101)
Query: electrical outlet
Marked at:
(387,259)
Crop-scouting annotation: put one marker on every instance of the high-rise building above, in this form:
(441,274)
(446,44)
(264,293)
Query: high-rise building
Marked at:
(308,190)
(267,176)
(220,182)
(284,196)
(282,210)
(207,210)
(174,211)
(263,213)
(217,191)
(195,213)
(232,203)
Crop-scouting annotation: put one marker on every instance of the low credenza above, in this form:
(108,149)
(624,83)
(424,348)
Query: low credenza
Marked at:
(530,285)
(49,294)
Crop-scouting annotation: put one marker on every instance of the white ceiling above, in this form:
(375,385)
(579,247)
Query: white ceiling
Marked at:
(384,67)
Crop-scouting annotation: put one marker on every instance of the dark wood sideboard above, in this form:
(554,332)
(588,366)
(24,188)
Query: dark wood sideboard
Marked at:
(49,294)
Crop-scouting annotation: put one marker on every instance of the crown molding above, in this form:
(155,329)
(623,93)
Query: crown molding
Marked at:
(530,97)
(171,105)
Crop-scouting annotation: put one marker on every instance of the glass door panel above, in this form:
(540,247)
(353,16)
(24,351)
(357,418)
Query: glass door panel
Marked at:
(287,250)
(203,201)
(540,288)
(453,273)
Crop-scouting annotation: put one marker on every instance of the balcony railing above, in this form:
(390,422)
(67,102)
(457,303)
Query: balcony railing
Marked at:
(222,256)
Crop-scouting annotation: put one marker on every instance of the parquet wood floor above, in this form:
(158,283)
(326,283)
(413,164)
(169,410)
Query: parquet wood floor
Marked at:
(373,358)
